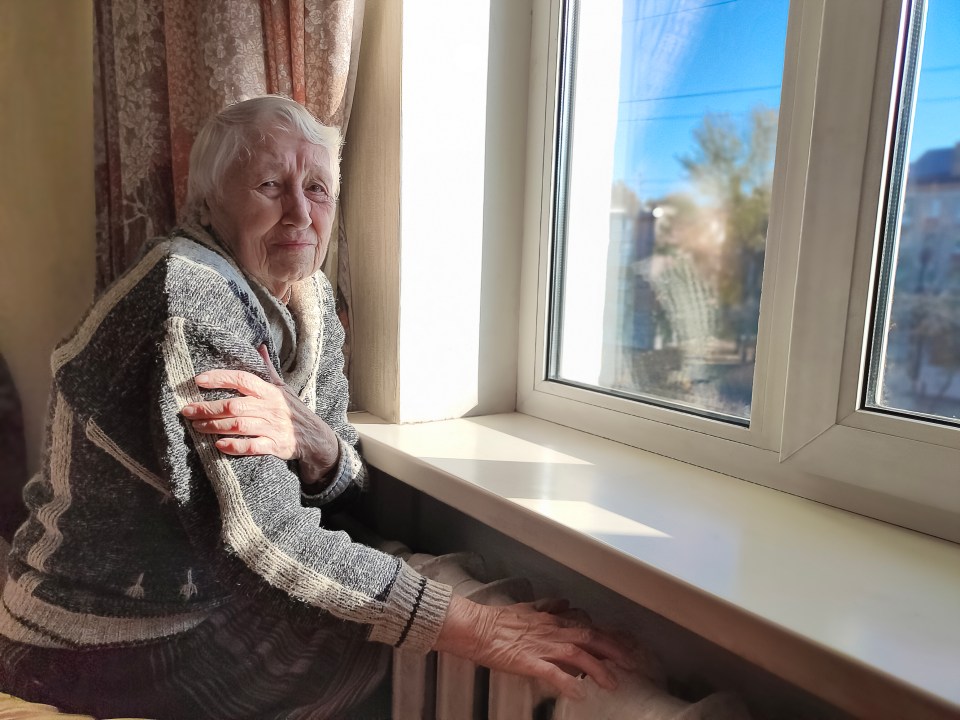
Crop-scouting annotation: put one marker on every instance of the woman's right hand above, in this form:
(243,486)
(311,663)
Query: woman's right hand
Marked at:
(532,639)
(267,419)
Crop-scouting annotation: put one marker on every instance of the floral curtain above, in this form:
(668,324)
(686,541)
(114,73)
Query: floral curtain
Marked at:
(162,67)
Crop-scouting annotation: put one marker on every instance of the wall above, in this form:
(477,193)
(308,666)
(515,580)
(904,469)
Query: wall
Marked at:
(433,178)
(46,189)
(370,194)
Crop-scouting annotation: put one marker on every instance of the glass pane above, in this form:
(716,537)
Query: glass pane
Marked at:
(915,366)
(668,131)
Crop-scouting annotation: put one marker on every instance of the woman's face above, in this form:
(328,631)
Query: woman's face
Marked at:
(274,211)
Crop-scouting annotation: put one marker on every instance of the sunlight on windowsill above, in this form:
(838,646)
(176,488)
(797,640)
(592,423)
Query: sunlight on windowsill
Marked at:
(497,447)
(588,518)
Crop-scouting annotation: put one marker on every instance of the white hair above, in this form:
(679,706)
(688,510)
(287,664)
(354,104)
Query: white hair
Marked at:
(231,134)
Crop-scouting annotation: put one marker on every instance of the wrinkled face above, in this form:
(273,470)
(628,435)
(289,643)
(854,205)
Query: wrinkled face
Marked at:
(274,211)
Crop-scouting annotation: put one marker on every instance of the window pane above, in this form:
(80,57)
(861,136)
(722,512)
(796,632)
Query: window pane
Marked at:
(915,365)
(668,130)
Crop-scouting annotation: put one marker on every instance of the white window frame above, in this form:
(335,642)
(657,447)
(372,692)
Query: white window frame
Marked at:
(807,434)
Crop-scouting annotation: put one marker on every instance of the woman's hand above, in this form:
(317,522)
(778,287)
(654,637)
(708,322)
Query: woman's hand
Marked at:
(268,419)
(539,640)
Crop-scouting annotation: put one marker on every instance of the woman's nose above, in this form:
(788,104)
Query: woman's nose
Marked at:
(296,209)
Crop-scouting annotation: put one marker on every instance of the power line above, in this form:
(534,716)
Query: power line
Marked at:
(693,116)
(940,68)
(682,10)
(946,98)
(643,180)
(733,91)
(651,118)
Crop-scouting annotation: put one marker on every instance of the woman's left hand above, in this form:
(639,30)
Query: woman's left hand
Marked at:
(268,419)
(541,640)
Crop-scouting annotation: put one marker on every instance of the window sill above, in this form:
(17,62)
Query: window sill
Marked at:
(855,611)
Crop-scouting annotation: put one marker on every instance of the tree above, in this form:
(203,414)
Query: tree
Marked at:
(732,168)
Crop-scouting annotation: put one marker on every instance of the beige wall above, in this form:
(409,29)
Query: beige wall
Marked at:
(371,206)
(46,188)
(433,187)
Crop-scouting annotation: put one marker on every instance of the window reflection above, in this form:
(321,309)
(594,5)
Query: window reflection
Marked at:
(919,332)
(690,129)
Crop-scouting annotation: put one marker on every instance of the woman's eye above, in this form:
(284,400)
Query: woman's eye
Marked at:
(316,188)
(269,184)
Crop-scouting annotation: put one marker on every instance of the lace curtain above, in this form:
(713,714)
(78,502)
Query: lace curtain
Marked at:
(162,67)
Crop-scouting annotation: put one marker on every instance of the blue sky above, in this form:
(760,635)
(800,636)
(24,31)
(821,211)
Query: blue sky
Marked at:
(684,58)
(937,120)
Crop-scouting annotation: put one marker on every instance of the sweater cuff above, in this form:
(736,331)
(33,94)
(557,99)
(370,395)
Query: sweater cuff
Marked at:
(350,471)
(418,607)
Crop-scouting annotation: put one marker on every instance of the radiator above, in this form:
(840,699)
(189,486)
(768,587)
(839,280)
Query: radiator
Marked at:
(439,686)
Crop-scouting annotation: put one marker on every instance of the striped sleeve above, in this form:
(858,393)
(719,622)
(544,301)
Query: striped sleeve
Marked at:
(332,398)
(349,475)
(266,535)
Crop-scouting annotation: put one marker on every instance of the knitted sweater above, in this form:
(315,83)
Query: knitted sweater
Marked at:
(139,527)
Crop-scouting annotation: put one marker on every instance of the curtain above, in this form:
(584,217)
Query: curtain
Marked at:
(162,67)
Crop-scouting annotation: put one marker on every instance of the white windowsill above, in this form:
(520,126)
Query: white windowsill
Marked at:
(860,613)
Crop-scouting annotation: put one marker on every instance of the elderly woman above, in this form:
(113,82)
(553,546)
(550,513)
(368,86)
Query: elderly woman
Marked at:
(175,562)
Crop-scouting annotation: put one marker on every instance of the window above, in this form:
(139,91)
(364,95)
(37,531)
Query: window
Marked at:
(744,252)
(914,366)
(665,173)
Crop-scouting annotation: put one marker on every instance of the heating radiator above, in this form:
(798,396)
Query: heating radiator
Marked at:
(444,687)
(439,686)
